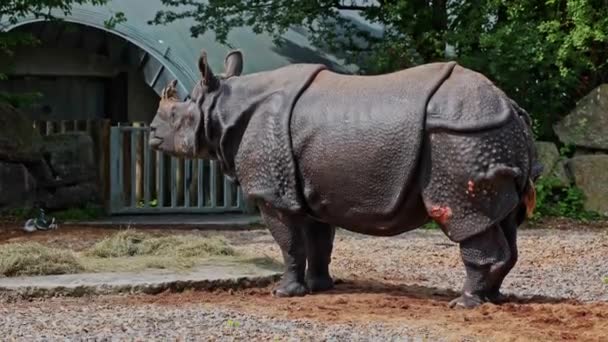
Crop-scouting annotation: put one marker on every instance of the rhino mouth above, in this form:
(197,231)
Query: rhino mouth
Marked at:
(155,141)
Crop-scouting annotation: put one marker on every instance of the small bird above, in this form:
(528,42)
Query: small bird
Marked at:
(40,223)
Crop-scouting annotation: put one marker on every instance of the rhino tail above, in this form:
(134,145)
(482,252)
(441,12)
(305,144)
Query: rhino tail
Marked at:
(536,168)
(528,194)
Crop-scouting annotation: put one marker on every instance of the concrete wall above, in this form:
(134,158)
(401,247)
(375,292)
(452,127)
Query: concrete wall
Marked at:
(142,100)
(48,61)
(63,98)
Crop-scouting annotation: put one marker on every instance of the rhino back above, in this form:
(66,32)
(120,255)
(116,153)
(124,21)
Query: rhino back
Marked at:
(467,102)
(357,141)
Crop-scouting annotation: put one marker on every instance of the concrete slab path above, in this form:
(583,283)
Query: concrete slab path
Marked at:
(220,274)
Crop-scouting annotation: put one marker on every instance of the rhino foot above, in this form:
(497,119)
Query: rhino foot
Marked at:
(290,289)
(466,301)
(497,298)
(319,284)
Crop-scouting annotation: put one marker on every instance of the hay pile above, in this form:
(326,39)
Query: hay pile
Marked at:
(32,258)
(124,251)
(129,243)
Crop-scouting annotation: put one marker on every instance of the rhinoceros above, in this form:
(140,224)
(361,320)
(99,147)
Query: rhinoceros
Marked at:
(378,155)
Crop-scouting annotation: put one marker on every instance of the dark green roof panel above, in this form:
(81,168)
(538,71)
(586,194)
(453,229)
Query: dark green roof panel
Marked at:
(174,47)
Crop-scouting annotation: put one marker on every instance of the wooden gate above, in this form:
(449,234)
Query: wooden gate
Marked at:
(145,181)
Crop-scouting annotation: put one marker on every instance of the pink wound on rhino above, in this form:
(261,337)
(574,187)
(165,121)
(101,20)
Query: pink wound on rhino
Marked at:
(441,214)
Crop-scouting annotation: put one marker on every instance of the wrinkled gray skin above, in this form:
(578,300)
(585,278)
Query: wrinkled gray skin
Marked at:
(378,155)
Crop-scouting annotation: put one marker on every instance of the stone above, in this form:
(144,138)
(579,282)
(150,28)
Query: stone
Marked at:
(70,157)
(589,173)
(17,186)
(74,196)
(587,124)
(581,151)
(552,163)
(19,140)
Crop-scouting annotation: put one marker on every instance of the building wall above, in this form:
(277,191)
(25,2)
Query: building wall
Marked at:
(53,61)
(63,98)
(75,84)
(142,100)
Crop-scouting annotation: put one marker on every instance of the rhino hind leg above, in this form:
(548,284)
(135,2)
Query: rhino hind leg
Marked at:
(289,235)
(488,258)
(319,244)
(509,227)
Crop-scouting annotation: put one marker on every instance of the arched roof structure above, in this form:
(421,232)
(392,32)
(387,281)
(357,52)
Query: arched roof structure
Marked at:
(167,52)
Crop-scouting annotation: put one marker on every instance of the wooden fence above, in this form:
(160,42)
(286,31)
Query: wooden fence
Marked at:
(147,181)
(133,179)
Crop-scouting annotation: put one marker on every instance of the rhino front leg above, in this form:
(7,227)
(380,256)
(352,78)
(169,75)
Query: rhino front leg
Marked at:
(319,244)
(289,236)
(486,256)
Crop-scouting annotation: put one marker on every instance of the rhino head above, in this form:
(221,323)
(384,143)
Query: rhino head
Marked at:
(178,126)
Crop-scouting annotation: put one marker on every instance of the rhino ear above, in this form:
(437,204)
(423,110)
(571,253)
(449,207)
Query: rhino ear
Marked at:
(173,85)
(233,64)
(206,73)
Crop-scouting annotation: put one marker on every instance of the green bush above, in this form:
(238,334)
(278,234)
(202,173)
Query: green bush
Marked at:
(87,212)
(78,214)
(553,200)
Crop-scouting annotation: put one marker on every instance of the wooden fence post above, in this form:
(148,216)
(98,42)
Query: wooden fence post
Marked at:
(104,165)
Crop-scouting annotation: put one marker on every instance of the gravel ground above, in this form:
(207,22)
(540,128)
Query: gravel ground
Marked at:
(405,274)
(186,323)
(552,263)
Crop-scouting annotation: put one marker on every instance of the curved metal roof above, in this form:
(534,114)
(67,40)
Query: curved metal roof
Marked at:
(177,51)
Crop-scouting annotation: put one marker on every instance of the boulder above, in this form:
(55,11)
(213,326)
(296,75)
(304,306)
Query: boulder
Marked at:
(587,124)
(75,196)
(589,173)
(70,157)
(548,155)
(19,140)
(17,186)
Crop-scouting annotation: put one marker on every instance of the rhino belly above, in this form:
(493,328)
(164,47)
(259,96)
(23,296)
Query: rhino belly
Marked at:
(361,178)
(357,141)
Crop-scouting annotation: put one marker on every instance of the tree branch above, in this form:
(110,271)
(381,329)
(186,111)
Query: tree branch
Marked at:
(339,5)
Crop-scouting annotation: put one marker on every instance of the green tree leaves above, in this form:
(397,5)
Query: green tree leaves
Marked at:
(545,54)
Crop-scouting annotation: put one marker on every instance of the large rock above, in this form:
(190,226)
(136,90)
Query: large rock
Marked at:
(591,176)
(548,155)
(19,140)
(587,124)
(57,171)
(17,186)
(74,196)
(70,157)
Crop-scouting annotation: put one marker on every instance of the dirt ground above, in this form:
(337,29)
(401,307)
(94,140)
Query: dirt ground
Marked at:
(363,297)
(361,301)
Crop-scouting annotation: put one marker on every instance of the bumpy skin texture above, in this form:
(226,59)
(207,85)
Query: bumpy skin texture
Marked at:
(378,155)
(474,176)
(488,257)
(246,126)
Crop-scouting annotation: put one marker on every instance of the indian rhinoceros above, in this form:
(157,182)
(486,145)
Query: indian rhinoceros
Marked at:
(378,155)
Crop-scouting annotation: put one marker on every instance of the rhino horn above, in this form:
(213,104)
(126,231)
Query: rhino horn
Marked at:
(170,91)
